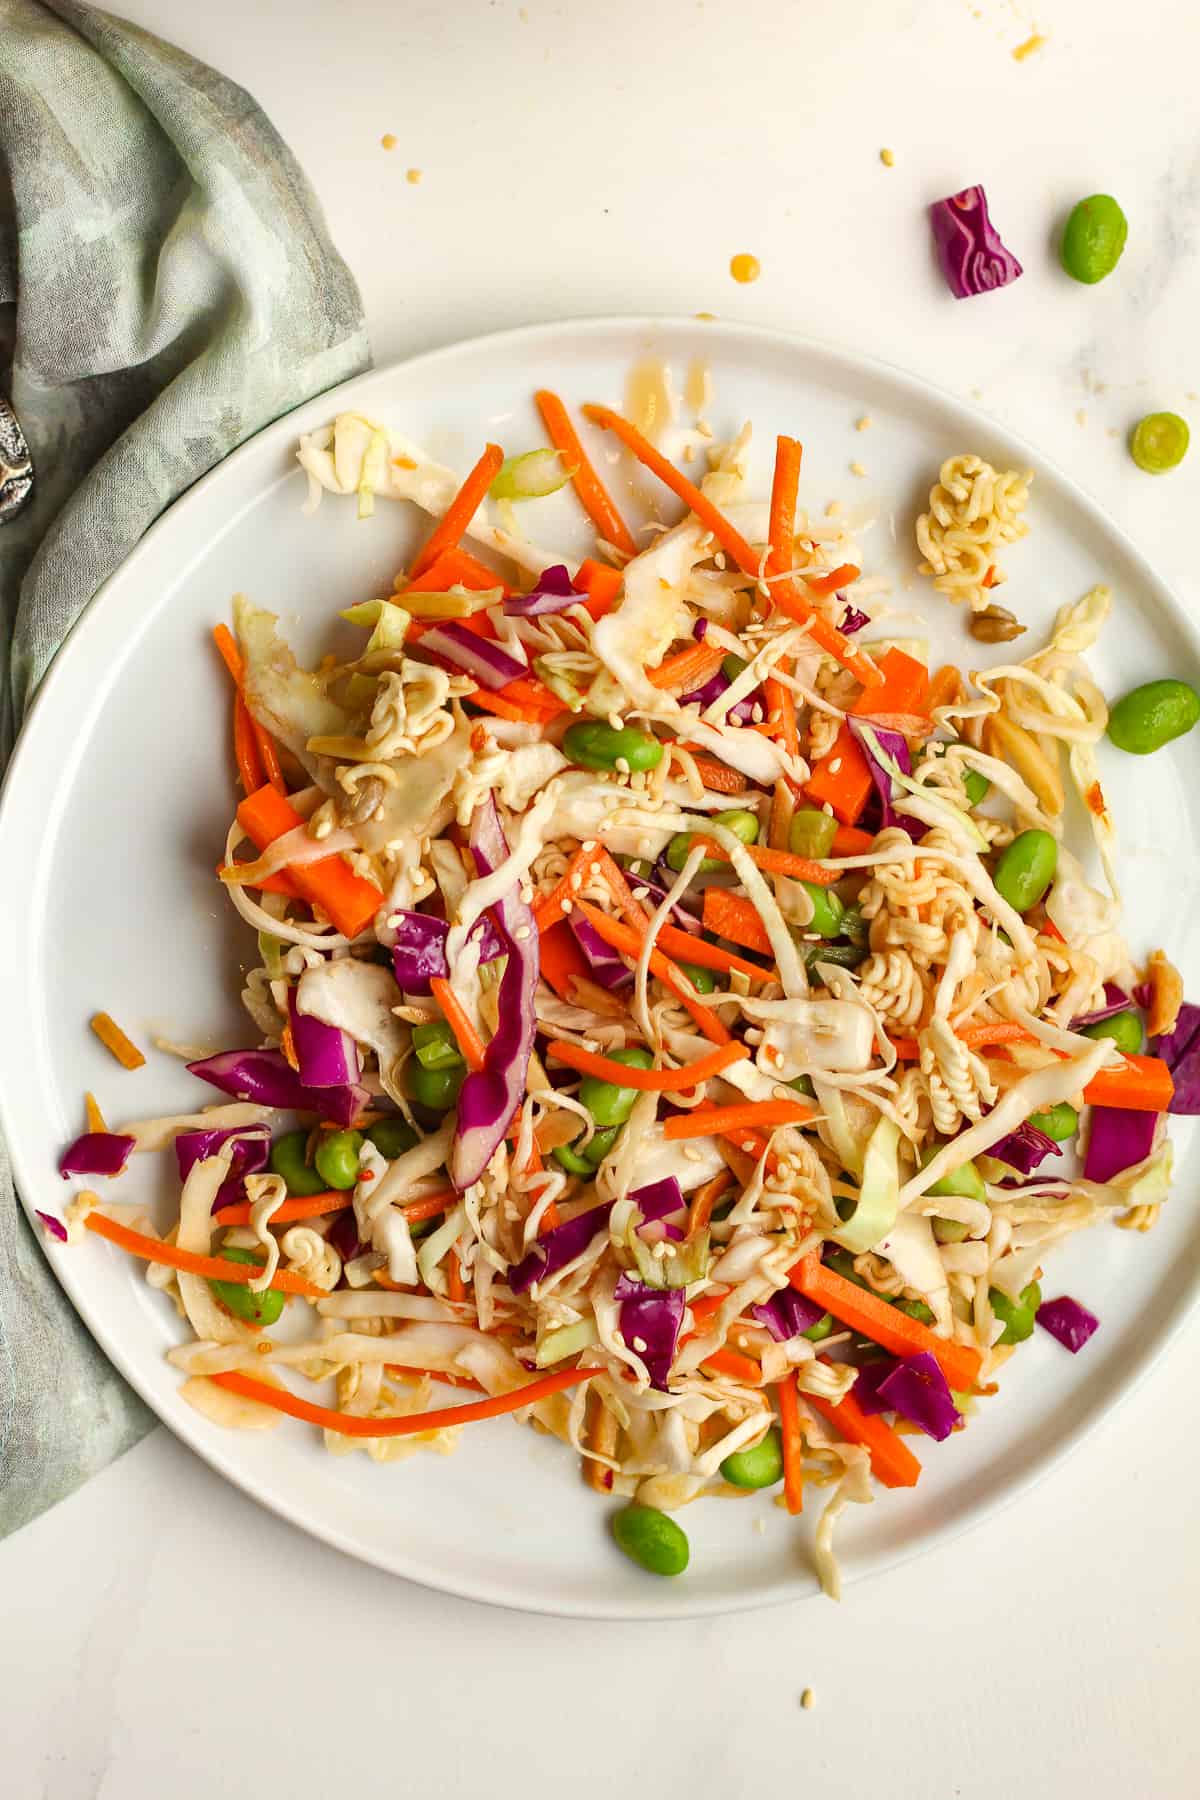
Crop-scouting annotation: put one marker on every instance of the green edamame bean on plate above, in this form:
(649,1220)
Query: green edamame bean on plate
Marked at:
(587,1159)
(651,1539)
(742,824)
(1152,715)
(251,1308)
(337,1158)
(950,1231)
(1124,1028)
(759,1467)
(1094,238)
(436,1089)
(1057,1122)
(1026,868)
(392,1137)
(1159,442)
(811,832)
(964,1181)
(288,1159)
(703,980)
(1018,1316)
(828,910)
(608,1103)
(435,1045)
(975,785)
(820,1328)
(594,744)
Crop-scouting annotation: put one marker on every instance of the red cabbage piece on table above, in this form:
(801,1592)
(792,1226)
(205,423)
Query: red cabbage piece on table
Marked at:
(651,1317)
(96,1153)
(917,1389)
(1068,1321)
(1118,1138)
(969,251)
(267,1078)
(1180,1050)
(251,1147)
(55,1227)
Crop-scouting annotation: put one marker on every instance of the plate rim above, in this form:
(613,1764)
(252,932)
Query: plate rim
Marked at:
(659,1603)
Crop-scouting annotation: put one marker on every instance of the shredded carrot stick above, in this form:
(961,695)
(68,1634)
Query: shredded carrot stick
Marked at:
(736,1366)
(410,1424)
(785,486)
(976,1037)
(600,1434)
(245,749)
(698,950)
(708,1305)
(279,883)
(648,1081)
(456,1287)
(465,1034)
(781,706)
(633,914)
(350,902)
(429,1208)
(95,1118)
(1139,1084)
(841,780)
(593,495)
(848,840)
(454,1381)
(447,533)
(701,1210)
(551,909)
(502,708)
(458,568)
(777,862)
(561,960)
(212,1268)
(788,596)
(946,687)
(754,1114)
(264,743)
(904,688)
(730,916)
(892,1462)
(629,940)
(689,668)
(601,584)
(792,1442)
(715,776)
(883,1323)
(312,1206)
(115,1041)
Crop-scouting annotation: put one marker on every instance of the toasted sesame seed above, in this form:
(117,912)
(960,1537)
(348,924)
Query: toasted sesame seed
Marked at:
(887,158)
(808,1699)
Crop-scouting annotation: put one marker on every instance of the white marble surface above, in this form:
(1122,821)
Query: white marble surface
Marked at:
(161,1634)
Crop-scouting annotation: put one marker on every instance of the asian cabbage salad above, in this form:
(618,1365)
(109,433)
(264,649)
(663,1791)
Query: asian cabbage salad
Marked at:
(674,1006)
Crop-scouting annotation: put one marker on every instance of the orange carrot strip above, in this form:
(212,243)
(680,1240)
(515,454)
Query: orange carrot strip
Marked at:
(752,1113)
(848,840)
(904,688)
(622,893)
(561,958)
(538,702)
(465,1034)
(628,939)
(593,495)
(115,1041)
(95,1118)
(842,778)
(245,746)
(793,1444)
(735,1365)
(697,950)
(884,1324)
(1139,1084)
(212,1268)
(430,1206)
(841,577)
(600,1433)
(503,709)
(458,568)
(462,509)
(714,775)
(689,668)
(892,1462)
(648,1081)
(312,1206)
(264,743)
(976,1037)
(785,485)
(549,909)
(411,1424)
(350,902)
(946,687)
(456,1287)
(602,585)
(700,1215)
(729,916)
(777,862)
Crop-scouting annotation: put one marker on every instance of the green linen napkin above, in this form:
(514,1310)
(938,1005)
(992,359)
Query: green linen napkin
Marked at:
(167,287)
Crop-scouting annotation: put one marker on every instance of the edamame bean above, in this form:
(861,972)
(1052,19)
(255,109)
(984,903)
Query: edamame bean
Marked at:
(337,1158)
(1094,238)
(733,666)
(759,1467)
(975,785)
(1124,1028)
(842,956)
(964,1181)
(608,1103)
(742,824)
(651,1539)
(1159,442)
(587,1160)
(820,1328)
(842,1263)
(252,1309)
(703,980)
(916,1309)
(1026,869)
(435,1045)
(1060,1122)
(802,1084)
(855,927)
(1020,1315)
(1152,715)
(287,1159)
(392,1137)
(594,744)
(435,1088)
(811,832)
(950,1231)
(828,910)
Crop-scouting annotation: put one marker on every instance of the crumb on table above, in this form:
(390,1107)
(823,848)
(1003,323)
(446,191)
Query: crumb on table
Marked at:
(808,1699)
(888,158)
(412,176)
(745,267)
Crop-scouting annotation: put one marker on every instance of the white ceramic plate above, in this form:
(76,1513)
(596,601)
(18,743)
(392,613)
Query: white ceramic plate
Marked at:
(115,814)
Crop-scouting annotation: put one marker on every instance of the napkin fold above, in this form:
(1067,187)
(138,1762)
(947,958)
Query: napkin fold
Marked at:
(167,287)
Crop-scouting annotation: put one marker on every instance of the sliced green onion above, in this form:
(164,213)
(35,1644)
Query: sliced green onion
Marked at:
(878,1194)
(271,950)
(531,476)
(559,684)
(434,1248)
(557,1345)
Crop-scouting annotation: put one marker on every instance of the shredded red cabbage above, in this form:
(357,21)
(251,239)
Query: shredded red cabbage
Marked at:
(420,948)
(740,714)
(894,745)
(96,1153)
(787,1313)
(490,1096)
(54,1226)
(969,251)
(605,965)
(1068,1321)
(553,594)
(1180,1050)
(917,1389)
(266,1077)
(1115,1000)
(478,657)
(251,1148)
(1143,995)
(555,1249)
(343,1235)
(328,1058)
(1025,1148)
(1117,1140)
(868,1382)
(658,1199)
(651,1317)
(853,619)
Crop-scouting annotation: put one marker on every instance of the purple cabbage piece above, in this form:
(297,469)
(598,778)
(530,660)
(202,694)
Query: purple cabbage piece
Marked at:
(343,1235)
(605,965)
(1118,1138)
(1025,1149)
(917,1389)
(490,1096)
(896,746)
(1116,1000)
(268,1079)
(651,1316)
(853,619)
(555,1249)
(419,952)
(713,688)
(554,593)
(658,1199)
(787,1313)
(328,1058)
(1143,995)
(969,251)
(1180,1050)
(657,886)
(96,1153)
(1068,1321)
(251,1148)
(55,1227)
(868,1382)
(480,658)
(700,630)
